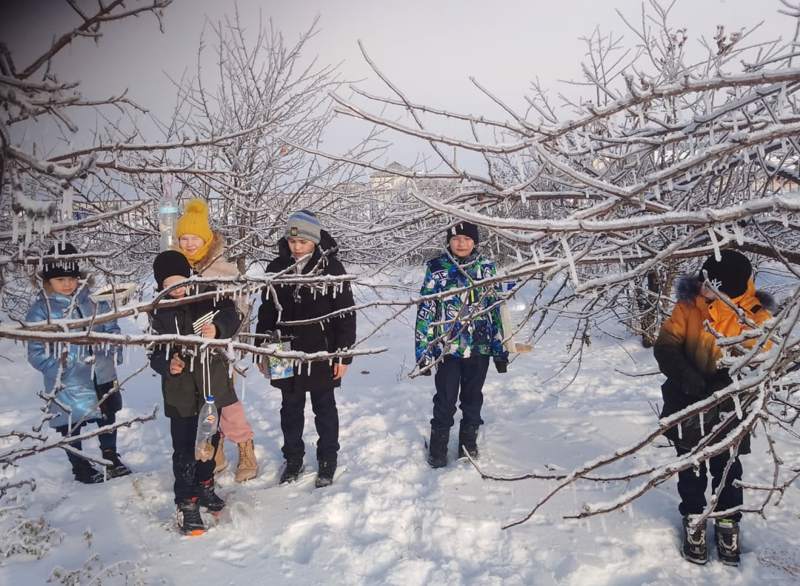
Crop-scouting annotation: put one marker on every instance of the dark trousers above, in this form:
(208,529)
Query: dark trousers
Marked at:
(326,419)
(453,373)
(188,471)
(108,441)
(692,486)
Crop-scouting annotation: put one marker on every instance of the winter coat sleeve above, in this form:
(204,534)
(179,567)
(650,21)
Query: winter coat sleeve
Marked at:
(38,355)
(267,315)
(344,325)
(158,357)
(499,353)
(671,357)
(110,327)
(227,320)
(424,332)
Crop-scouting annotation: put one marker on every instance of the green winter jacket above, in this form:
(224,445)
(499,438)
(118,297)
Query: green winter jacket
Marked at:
(446,325)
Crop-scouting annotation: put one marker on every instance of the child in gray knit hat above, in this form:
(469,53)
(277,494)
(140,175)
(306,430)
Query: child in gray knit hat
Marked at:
(304,225)
(312,251)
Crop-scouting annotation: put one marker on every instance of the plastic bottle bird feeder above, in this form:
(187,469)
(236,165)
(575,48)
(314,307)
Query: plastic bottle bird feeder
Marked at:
(121,291)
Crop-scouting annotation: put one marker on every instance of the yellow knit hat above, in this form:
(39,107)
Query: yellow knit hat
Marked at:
(195,221)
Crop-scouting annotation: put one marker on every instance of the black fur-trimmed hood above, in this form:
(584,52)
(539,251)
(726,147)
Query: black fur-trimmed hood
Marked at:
(688,287)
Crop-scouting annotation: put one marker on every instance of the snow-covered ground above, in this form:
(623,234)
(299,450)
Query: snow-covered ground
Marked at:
(389,518)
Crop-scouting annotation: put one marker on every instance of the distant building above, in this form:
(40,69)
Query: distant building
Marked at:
(391,179)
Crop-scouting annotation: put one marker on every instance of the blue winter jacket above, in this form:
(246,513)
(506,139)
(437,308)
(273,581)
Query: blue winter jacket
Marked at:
(446,325)
(78,393)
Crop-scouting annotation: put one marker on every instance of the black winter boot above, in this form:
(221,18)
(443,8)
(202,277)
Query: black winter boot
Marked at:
(86,473)
(190,521)
(325,474)
(210,499)
(468,441)
(293,468)
(726,532)
(437,449)
(695,548)
(117,468)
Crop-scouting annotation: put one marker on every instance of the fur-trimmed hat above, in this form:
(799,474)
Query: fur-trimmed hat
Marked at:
(56,267)
(464,229)
(730,274)
(305,225)
(168,264)
(194,221)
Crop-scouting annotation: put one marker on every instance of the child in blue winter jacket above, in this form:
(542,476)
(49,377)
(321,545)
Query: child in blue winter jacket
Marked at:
(81,377)
(461,332)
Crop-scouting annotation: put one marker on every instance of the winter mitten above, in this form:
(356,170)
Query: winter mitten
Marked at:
(425,363)
(501,366)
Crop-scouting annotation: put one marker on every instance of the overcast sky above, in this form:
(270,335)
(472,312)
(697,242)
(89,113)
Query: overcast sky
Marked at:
(428,47)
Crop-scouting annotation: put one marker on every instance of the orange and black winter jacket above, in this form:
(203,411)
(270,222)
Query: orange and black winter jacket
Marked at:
(688,354)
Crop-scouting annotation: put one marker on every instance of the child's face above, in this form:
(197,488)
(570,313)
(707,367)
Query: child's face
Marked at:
(462,246)
(191,243)
(178,292)
(64,285)
(300,246)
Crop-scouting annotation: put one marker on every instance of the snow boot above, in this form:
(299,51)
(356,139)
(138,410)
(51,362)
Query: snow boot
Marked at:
(325,474)
(437,449)
(116,468)
(210,499)
(468,441)
(293,468)
(726,532)
(248,467)
(695,547)
(220,463)
(190,521)
(85,473)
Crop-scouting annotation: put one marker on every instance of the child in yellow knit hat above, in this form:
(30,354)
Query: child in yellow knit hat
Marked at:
(205,251)
(193,231)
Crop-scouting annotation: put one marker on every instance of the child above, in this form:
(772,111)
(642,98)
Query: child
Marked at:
(687,354)
(185,381)
(204,249)
(445,326)
(78,383)
(313,251)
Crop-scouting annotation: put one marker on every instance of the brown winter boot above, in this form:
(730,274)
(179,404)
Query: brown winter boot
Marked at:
(220,463)
(248,467)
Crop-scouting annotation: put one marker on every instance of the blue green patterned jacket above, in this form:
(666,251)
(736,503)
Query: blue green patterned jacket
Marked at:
(444,325)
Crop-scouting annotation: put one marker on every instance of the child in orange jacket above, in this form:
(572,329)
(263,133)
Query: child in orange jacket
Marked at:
(688,355)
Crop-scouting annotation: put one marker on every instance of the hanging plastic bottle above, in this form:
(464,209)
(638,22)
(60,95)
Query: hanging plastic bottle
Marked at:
(167,218)
(207,423)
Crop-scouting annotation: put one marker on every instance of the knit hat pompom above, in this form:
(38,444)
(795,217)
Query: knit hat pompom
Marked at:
(730,274)
(467,229)
(170,263)
(194,220)
(305,225)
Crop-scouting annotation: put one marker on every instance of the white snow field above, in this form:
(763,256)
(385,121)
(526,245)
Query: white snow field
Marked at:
(388,518)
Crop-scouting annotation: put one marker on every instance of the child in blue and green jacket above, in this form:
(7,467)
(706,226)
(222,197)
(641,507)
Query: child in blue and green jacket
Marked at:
(459,333)
(82,376)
